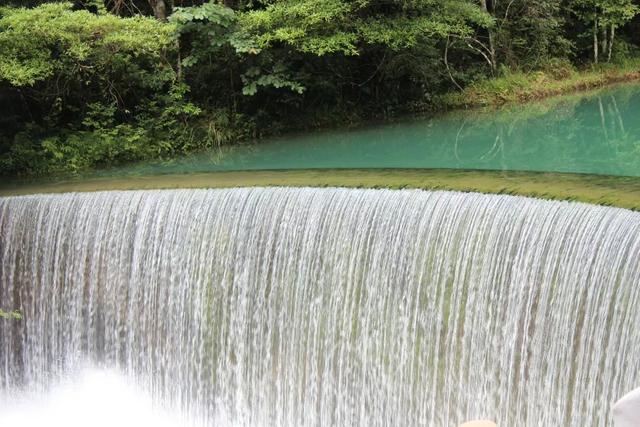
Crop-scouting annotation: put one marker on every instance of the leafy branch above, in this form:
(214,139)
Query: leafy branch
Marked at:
(15,314)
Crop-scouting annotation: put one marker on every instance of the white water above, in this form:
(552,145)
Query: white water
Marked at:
(316,307)
(91,397)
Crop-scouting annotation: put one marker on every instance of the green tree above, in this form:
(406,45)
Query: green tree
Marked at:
(604,17)
(100,76)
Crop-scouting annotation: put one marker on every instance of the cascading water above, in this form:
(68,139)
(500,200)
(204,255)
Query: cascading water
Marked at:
(320,307)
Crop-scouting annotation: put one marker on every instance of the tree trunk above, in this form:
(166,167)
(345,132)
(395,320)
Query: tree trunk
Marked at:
(491,47)
(159,9)
(492,52)
(446,63)
(595,40)
(604,39)
(612,33)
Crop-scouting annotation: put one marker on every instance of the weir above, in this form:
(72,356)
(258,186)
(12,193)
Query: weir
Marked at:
(318,307)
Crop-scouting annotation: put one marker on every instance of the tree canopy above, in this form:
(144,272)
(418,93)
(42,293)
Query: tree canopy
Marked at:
(92,83)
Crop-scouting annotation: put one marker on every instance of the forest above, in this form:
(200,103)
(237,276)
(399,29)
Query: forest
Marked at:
(90,84)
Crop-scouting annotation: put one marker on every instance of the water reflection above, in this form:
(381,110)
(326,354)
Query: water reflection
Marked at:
(596,134)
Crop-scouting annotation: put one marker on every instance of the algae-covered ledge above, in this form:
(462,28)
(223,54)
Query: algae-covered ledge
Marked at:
(623,192)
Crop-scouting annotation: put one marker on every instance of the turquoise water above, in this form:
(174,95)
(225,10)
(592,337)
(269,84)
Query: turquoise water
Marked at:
(596,133)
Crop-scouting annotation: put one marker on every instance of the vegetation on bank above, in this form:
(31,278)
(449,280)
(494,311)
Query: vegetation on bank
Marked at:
(97,83)
(520,86)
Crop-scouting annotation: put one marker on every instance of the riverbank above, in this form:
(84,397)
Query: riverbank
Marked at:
(521,87)
(55,160)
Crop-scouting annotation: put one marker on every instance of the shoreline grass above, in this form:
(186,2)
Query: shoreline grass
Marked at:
(522,87)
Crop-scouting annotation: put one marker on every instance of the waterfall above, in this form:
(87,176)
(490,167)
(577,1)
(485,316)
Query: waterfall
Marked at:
(328,307)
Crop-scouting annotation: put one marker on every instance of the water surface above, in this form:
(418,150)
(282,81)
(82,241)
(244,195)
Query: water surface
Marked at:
(595,133)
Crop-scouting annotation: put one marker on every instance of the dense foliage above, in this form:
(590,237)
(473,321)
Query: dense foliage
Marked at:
(80,90)
(95,83)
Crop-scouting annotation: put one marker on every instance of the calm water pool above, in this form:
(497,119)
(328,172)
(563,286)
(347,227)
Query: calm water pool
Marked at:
(596,133)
